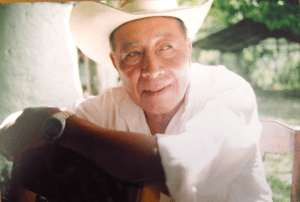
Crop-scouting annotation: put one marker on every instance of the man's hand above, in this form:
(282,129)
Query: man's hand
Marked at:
(21,131)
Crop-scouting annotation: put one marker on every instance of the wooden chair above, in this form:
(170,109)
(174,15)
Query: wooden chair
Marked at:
(276,138)
(279,138)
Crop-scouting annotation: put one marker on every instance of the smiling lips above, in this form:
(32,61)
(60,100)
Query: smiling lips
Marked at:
(156,92)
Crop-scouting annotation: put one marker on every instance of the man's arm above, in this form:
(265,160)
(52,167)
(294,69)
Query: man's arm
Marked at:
(127,156)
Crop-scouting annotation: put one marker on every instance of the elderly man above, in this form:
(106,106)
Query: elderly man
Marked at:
(193,128)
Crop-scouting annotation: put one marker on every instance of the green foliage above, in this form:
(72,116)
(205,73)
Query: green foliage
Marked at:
(190,2)
(278,169)
(109,3)
(276,14)
(4,164)
(5,176)
(272,64)
(276,63)
(289,74)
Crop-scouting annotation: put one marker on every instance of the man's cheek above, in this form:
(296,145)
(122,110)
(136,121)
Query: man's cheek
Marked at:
(180,61)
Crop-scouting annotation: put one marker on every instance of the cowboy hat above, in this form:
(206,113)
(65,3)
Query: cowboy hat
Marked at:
(91,23)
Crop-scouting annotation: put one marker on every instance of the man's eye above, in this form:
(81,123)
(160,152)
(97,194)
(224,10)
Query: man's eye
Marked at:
(166,47)
(133,57)
(133,54)
(167,51)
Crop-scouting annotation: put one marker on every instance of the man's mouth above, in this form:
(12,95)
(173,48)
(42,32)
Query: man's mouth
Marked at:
(156,92)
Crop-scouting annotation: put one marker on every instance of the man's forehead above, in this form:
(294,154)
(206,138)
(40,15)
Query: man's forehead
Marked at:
(130,33)
(137,42)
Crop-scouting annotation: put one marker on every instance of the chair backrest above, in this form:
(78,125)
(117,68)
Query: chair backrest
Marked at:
(279,138)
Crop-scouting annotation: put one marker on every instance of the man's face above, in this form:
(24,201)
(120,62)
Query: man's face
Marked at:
(152,57)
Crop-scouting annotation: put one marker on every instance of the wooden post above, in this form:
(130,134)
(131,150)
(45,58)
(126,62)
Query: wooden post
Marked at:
(25,195)
(296,168)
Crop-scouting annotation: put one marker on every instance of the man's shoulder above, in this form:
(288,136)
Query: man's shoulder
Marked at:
(217,82)
(214,72)
(207,76)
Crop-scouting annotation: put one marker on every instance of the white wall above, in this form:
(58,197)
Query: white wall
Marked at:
(38,58)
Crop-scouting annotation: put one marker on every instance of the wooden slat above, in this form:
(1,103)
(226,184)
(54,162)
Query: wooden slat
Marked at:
(25,195)
(279,138)
(276,138)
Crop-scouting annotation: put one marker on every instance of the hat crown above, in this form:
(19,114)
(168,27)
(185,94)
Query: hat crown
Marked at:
(145,5)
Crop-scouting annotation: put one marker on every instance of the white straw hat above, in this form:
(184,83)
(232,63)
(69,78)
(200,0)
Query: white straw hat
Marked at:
(91,23)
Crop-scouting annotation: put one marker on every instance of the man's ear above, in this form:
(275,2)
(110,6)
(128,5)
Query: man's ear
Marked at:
(113,60)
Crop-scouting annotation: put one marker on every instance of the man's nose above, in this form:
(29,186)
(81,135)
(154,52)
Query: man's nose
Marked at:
(152,66)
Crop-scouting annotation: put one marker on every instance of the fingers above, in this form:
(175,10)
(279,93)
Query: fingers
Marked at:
(21,130)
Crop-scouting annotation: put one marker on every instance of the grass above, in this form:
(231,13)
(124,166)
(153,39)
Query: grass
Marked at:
(279,106)
(278,167)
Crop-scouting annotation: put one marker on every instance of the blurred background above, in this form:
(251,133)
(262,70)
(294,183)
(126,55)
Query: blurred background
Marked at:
(258,39)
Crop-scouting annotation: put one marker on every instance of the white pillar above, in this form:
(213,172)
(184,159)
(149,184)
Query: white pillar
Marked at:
(38,58)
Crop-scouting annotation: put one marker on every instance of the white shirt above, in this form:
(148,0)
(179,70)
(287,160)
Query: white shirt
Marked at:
(210,149)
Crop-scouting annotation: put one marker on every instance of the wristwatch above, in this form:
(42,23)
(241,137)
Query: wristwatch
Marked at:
(54,126)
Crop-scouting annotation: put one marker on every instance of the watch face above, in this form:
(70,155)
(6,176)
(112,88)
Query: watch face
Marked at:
(53,127)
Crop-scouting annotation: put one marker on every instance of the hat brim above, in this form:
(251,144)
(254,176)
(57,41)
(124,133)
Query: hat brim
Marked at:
(91,24)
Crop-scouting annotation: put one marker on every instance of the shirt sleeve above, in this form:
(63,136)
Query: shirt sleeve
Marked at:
(206,161)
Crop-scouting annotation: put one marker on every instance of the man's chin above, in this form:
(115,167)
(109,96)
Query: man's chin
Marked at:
(161,108)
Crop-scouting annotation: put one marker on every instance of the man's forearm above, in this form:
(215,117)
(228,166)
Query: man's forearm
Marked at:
(128,156)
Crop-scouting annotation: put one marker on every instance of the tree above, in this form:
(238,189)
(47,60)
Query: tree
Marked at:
(276,14)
